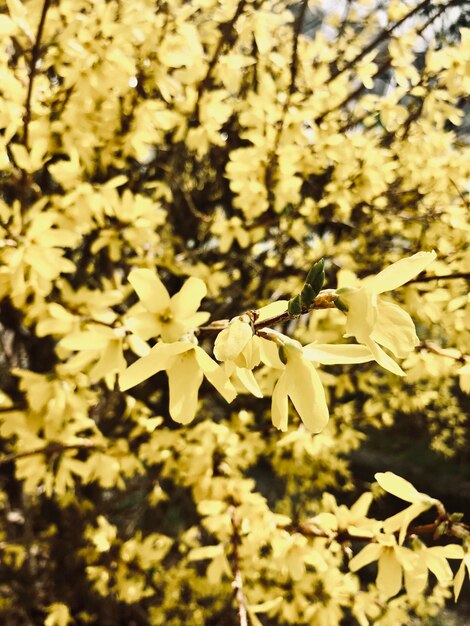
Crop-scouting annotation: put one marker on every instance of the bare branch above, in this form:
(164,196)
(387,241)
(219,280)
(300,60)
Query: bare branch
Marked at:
(35,52)
(237,583)
(324,300)
(50,449)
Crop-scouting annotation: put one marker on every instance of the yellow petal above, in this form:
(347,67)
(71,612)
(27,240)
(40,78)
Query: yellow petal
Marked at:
(399,487)
(215,375)
(416,579)
(337,354)
(306,392)
(279,404)
(184,379)
(232,340)
(248,380)
(150,289)
(188,299)
(383,359)
(458,581)
(394,329)
(439,566)
(362,314)
(389,574)
(272,310)
(399,273)
(145,325)
(111,359)
(367,555)
(157,360)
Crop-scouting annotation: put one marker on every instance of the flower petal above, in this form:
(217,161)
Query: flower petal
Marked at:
(280,404)
(370,553)
(232,340)
(399,273)
(394,329)
(186,302)
(215,375)
(337,354)
(145,325)
(389,575)
(150,289)
(157,360)
(383,359)
(306,392)
(184,379)
(362,314)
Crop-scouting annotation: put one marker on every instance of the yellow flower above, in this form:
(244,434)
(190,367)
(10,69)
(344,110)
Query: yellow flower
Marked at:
(300,381)
(375,322)
(229,231)
(163,316)
(392,560)
(186,364)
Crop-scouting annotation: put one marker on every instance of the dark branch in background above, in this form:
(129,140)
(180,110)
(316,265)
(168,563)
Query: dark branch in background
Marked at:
(227,37)
(237,583)
(50,449)
(294,67)
(35,52)
(382,36)
(384,66)
(428,279)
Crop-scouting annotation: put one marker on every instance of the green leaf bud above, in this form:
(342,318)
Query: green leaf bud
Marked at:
(307,295)
(316,276)
(295,306)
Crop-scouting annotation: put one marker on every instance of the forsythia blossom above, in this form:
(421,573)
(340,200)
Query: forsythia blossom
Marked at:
(375,322)
(301,383)
(186,364)
(158,314)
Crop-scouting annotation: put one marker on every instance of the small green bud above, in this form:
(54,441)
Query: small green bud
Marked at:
(316,276)
(456,517)
(295,306)
(342,306)
(307,295)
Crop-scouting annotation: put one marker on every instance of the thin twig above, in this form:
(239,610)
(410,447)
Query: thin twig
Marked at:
(428,279)
(324,300)
(237,583)
(227,34)
(385,65)
(50,449)
(382,36)
(35,52)
(294,67)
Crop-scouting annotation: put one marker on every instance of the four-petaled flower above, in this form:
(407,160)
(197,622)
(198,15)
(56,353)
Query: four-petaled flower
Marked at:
(186,364)
(158,314)
(375,322)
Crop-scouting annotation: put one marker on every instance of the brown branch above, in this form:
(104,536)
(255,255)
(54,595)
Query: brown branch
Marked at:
(324,300)
(380,69)
(237,583)
(428,279)
(227,30)
(429,346)
(50,449)
(294,67)
(35,52)
(441,526)
(382,36)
